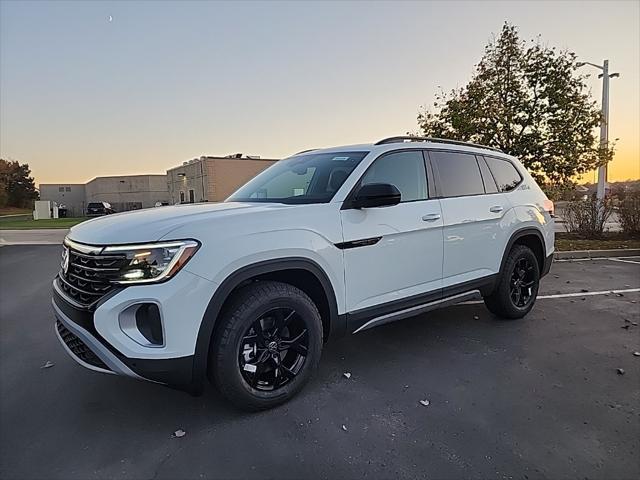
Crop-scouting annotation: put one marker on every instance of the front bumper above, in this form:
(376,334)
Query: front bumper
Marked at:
(76,340)
(95,339)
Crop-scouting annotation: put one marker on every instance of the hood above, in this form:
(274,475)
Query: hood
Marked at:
(152,224)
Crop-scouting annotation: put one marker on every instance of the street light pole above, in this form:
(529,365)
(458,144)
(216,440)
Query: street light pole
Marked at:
(604,122)
(604,129)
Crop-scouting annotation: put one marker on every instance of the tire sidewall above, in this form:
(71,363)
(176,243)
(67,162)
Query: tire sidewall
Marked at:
(516,255)
(227,369)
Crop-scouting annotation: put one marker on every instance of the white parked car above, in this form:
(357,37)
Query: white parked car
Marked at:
(325,243)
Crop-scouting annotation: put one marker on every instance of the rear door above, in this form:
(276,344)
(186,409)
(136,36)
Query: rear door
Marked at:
(472,213)
(393,255)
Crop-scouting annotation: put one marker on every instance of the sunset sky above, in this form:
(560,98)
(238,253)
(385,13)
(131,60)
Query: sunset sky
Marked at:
(107,88)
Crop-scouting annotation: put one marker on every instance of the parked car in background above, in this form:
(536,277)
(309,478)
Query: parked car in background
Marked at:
(325,243)
(97,209)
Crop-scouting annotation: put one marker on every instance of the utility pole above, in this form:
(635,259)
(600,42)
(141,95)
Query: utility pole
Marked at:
(604,121)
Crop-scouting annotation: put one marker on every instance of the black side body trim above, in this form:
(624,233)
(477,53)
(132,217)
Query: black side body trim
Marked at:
(365,242)
(358,318)
(547,265)
(337,323)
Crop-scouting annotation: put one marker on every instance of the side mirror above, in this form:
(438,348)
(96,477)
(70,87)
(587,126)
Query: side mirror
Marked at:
(376,195)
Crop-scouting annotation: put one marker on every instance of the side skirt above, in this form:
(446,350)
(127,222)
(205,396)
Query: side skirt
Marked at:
(419,309)
(381,314)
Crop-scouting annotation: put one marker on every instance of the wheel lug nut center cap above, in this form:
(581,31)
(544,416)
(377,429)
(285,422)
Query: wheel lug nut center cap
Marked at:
(273,347)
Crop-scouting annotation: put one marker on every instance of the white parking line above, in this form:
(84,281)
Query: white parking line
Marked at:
(624,260)
(569,295)
(597,258)
(589,294)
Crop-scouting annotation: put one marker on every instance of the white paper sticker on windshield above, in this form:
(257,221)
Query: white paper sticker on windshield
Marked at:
(340,159)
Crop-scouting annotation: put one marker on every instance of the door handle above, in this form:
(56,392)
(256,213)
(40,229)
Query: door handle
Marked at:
(431,217)
(496,208)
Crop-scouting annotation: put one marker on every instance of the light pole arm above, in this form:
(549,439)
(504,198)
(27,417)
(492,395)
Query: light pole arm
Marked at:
(580,64)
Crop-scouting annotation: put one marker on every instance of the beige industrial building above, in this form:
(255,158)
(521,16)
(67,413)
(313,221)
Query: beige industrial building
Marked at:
(124,192)
(128,192)
(71,195)
(212,179)
(204,179)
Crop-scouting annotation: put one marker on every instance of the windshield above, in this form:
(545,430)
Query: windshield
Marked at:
(308,178)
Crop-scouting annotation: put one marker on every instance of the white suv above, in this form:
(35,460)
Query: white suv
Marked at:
(325,243)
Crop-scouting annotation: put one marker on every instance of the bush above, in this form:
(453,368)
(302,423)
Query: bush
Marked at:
(587,217)
(629,214)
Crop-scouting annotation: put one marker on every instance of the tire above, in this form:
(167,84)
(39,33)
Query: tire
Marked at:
(244,364)
(504,302)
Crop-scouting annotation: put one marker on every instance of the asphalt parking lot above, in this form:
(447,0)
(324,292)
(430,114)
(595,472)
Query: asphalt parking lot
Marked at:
(534,398)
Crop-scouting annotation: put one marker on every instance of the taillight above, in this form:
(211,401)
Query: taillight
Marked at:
(547,206)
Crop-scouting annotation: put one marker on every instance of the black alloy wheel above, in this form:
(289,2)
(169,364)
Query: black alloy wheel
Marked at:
(517,287)
(267,345)
(523,279)
(273,349)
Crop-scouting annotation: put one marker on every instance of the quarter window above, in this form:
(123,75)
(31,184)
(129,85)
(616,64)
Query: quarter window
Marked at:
(458,172)
(506,175)
(405,170)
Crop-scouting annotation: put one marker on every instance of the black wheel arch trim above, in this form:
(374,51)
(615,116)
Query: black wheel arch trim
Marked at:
(337,323)
(523,232)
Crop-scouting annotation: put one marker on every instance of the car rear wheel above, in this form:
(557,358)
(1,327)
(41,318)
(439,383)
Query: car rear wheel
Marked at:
(517,286)
(267,346)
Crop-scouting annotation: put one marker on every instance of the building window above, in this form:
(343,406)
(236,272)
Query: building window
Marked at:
(191,196)
(67,189)
(181,197)
(61,189)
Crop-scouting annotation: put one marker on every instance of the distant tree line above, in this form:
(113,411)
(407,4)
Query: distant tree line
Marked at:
(17,188)
(528,100)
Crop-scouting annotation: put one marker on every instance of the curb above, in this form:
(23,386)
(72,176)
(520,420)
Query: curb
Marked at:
(589,254)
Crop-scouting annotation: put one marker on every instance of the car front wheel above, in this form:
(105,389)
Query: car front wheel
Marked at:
(517,286)
(267,346)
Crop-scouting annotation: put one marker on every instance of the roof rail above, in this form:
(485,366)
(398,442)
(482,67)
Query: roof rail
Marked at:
(305,151)
(409,138)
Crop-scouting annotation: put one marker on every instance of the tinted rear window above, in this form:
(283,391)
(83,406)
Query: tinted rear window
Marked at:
(95,205)
(458,172)
(506,175)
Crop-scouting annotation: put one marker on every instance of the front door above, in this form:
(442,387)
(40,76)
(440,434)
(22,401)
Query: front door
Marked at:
(393,255)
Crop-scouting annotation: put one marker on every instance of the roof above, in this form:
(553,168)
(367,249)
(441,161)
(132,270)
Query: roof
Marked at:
(408,142)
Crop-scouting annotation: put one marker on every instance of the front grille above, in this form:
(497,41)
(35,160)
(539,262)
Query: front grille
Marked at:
(88,276)
(78,348)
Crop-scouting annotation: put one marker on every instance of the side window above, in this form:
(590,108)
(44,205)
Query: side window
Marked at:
(506,175)
(458,172)
(405,170)
(488,180)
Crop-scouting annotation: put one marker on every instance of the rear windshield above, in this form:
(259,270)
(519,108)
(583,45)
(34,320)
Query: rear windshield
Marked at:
(307,178)
(95,205)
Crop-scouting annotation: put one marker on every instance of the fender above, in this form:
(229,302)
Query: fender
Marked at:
(519,234)
(337,322)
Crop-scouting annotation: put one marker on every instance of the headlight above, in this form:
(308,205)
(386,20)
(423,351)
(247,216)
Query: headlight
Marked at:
(153,262)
